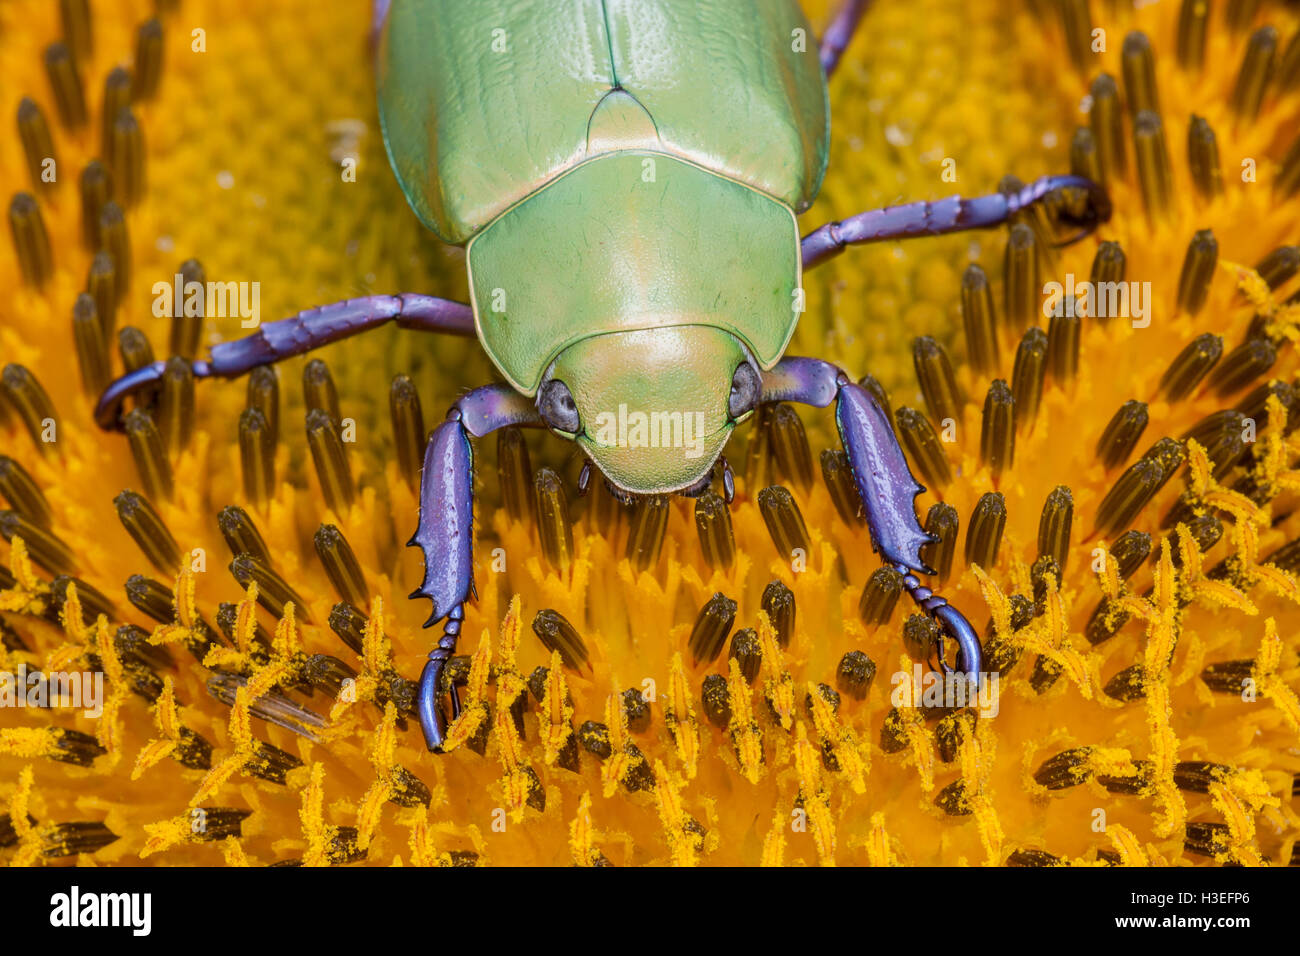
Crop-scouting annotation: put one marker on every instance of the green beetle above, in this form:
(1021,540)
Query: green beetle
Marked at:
(625,177)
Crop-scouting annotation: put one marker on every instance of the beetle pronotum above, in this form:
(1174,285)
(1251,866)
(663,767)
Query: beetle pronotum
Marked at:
(624,175)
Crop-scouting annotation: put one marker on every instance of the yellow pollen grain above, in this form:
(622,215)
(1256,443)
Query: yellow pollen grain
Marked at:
(672,816)
(745,733)
(773,853)
(679,714)
(558,727)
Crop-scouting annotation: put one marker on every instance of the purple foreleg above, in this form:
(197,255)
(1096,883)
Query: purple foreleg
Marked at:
(953,214)
(446,529)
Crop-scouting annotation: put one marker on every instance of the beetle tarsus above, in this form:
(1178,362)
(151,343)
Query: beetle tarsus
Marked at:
(951,620)
(433,721)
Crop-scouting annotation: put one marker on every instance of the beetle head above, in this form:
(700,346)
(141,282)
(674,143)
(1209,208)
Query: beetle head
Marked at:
(652,407)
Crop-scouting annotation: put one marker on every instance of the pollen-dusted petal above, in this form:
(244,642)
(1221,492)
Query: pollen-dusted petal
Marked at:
(943,396)
(923,447)
(984,532)
(746,735)
(713,522)
(788,445)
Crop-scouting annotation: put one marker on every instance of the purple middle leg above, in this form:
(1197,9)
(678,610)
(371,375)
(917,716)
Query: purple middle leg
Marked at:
(839,34)
(295,335)
(953,214)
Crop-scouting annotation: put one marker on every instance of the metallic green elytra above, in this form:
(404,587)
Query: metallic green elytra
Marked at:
(625,175)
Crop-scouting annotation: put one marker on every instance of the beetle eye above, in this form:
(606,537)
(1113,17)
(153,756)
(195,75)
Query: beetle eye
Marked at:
(745,387)
(556,406)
